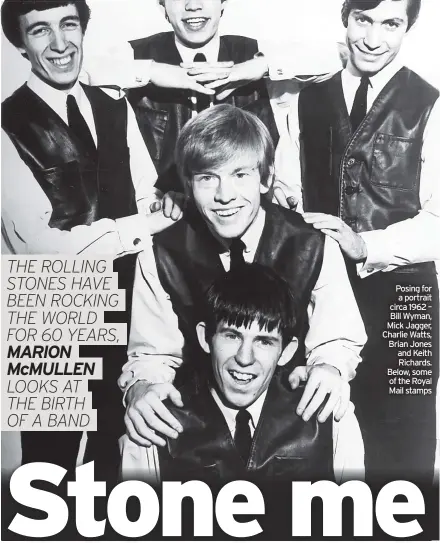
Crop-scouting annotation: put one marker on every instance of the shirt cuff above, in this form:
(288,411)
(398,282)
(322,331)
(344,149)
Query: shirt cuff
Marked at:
(340,357)
(303,59)
(150,371)
(134,233)
(378,253)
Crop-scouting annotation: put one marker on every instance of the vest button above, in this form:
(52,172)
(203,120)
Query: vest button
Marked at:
(351,190)
(351,161)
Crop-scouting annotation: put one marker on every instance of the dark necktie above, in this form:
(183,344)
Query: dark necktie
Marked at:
(203,100)
(242,436)
(79,126)
(236,253)
(359,109)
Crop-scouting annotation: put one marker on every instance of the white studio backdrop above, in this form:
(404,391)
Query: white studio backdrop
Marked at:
(116,21)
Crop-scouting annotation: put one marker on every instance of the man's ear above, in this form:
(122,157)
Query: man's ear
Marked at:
(264,189)
(289,351)
(224,2)
(201,336)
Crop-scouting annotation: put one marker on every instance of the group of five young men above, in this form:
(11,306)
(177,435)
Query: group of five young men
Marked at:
(361,165)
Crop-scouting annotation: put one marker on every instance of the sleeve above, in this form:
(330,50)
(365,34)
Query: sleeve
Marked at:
(26,213)
(139,463)
(143,172)
(302,58)
(155,343)
(336,333)
(348,448)
(116,66)
(287,158)
(413,240)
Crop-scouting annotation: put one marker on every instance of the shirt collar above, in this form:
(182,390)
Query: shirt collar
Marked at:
(379,80)
(229,413)
(251,238)
(210,50)
(53,97)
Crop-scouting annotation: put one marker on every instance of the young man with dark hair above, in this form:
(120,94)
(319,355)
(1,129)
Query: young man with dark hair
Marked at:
(238,413)
(76,176)
(369,159)
(195,38)
(225,157)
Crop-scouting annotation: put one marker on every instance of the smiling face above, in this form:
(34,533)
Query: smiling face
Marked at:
(374,36)
(52,41)
(228,198)
(195,22)
(244,360)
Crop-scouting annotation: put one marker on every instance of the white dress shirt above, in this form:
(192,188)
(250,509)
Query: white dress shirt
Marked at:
(26,210)
(336,334)
(406,242)
(142,463)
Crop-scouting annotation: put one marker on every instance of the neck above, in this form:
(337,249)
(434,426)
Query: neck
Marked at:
(190,45)
(63,88)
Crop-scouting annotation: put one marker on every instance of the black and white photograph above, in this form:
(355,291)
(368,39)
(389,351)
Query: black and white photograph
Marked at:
(220,254)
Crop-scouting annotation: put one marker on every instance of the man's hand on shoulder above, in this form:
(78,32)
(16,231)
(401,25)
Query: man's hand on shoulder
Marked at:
(351,244)
(321,380)
(280,198)
(146,415)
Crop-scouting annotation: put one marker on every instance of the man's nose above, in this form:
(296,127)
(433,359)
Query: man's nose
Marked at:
(58,42)
(225,191)
(373,38)
(245,354)
(193,5)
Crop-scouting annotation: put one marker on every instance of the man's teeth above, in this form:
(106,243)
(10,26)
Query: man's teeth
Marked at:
(227,212)
(61,61)
(196,20)
(241,376)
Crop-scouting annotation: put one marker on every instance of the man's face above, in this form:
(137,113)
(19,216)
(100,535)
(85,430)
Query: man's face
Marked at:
(244,360)
(195,22)
(52,41)
(228,198)
(374,36)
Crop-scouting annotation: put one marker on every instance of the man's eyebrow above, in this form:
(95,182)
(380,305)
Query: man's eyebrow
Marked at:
(46,23)
(241,168)
(267,336)
(226,328)
(393,20)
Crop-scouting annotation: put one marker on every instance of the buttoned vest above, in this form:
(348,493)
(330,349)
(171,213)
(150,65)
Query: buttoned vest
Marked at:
(284,447)
(81,187)
(187,259)
(371,179)
(162,113)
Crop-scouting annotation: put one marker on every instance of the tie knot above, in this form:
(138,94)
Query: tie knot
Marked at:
(199,57)
(236,253)
(243,417)
(365,81)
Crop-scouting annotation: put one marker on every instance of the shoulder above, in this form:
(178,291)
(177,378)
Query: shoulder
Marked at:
(420,84)
(145,47)
(321,85)
(240,48)
(288,217)
(15,108)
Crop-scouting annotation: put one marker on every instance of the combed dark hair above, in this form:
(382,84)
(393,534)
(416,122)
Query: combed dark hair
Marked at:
(412,11)
(219,134)
(13,9)
(250,293)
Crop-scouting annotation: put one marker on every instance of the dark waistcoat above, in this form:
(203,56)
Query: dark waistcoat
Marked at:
(371,178)
(162,113)
(284,447)
(188,261)
(81,187)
